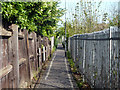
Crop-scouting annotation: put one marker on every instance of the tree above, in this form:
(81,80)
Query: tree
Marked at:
(114,20)
(40,17)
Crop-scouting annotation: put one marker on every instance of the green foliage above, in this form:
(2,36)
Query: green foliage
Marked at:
(55,42)
(72,64)
(61,31)
(42,46)
(85,19)
(40,17)
(115,21)
(68,55)
(75,72)
(54,48)
(105,15)
(63,44)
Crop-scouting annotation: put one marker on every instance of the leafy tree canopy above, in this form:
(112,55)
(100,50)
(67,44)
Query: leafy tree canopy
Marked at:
(40,17)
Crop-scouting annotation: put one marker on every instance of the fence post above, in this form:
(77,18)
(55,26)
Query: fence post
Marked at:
(44,53)
(69,44)
(52,43)
(39,52)
(84,69)
(110,56)
(35,51)
(44,49)
(119,48)
(27,58)
(93,60)
(77,60)
(74,49)
(101,55)
(118,45)
(15,58)
(0,52)
(40,62)
(118,57)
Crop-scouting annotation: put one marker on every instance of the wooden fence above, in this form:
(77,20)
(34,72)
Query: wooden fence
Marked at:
(97,55)
(21,56)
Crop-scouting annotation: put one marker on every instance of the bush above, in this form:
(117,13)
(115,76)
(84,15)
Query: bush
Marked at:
(63,43)
(55,42)
(68,55)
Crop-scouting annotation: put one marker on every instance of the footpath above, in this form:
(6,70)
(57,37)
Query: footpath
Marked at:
(57,74)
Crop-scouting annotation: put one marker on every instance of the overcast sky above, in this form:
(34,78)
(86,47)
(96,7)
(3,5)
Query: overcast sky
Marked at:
(106,6)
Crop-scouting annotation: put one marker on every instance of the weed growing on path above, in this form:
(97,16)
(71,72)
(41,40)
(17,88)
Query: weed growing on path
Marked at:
(76,74)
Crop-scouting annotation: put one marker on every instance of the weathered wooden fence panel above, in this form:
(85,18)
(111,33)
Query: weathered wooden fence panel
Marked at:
(98,56)
(20,57)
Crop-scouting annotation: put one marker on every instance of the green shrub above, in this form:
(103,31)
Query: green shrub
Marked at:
(63,44)
(55,42)
(54,48)
(68,55)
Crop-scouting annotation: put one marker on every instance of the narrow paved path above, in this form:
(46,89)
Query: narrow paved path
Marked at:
(57,74)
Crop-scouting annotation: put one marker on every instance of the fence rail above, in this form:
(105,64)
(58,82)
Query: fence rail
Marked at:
(97,55)
(21,56)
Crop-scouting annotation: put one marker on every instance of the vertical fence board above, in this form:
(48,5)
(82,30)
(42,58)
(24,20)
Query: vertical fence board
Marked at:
(27,58)
(39,53)
(44,54)
(20,57)
(98,57)
(35,53)
(1,60)
(15,58)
